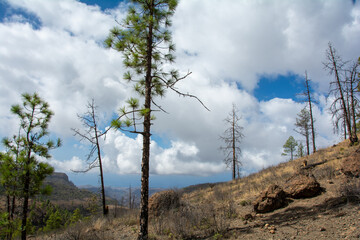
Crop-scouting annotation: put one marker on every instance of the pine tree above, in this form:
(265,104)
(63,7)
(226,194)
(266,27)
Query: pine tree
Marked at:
(290,147)
(34,116)
(310,101)
(303,125)
(145,41)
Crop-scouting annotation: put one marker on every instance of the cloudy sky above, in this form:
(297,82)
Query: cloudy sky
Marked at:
(247,52)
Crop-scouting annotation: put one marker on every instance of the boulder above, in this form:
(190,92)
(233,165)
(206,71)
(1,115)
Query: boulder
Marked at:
(351,165)
(164,201)
(271,199)
(302,186)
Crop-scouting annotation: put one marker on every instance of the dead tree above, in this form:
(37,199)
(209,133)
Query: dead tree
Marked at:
(309,99)
(232,137)
(92,135)
(352,82)
(335,66)
(310,102)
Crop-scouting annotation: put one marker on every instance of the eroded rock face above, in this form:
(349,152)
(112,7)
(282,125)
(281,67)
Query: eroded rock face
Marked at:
(271,199)
(302,186)
(351,165)
(162,202)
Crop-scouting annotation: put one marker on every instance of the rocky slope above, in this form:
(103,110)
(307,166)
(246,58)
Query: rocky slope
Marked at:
(226,210)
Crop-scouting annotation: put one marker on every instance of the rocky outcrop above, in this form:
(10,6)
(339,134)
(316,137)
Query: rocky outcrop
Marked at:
(302,186)
(164,201)
(59,177)
(271,199)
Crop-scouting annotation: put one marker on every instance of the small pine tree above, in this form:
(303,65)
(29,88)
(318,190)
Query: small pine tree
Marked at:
(34,115)
(290,147)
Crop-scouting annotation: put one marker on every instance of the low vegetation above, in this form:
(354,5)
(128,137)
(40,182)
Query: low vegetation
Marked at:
(225,210)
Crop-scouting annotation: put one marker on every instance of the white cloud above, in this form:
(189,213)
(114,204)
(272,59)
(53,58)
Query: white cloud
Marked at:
(122,155)
(224,43)
(74,164)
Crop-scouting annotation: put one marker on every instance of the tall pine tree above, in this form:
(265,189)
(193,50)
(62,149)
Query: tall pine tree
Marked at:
(145,41)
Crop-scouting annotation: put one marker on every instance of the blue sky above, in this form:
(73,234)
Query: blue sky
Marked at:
(251,53)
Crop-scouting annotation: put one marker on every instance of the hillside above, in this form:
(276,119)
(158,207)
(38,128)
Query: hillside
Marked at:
(225,210)
(63,189)
(121,194)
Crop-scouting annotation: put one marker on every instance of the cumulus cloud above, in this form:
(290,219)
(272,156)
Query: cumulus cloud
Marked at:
(228,45)
(122,155)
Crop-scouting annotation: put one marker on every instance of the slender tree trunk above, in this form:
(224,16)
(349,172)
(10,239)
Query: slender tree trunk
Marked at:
(352,100)
(311,113)
(8,205)
(12,208)
(130,197)
(144,211)
(345,132)
(307,143)
(233,147)
(25,204)
(343,103)
(105,211)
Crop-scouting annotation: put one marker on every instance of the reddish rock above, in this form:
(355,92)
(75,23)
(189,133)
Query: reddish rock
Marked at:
(271,199)
(302,186)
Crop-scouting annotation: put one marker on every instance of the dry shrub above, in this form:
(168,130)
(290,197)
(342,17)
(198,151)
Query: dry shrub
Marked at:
(219,193)
(188,222)
(325,172)
(351,190)
(162,202)
(129,217)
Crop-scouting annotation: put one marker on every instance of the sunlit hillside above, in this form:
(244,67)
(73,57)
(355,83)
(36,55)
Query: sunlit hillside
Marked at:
(225,210)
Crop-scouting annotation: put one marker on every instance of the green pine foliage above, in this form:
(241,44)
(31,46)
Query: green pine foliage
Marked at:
(146,43)
(290,147)
(21,173)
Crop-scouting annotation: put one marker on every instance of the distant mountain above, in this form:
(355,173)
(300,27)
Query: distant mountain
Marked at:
(63,189)
(121,194)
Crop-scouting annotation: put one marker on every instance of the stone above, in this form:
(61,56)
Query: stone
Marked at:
(271,199)
(302,186)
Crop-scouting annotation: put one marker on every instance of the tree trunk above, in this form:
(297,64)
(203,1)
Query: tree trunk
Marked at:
(233,146)
(307,143)
(311,113)
(25,205)
(343,103)
(143,234)
(144,211)
(352,100)
(105,210)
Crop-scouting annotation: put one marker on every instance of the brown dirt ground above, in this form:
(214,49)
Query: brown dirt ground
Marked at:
(323,217)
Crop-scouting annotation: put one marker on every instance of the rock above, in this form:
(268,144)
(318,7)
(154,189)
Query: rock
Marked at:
(249,217)
(351,165)
(162,202)
(302,186)
(271,199)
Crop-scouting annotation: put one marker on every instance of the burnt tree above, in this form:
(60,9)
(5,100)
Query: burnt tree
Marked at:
(92,134)
(232,138)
